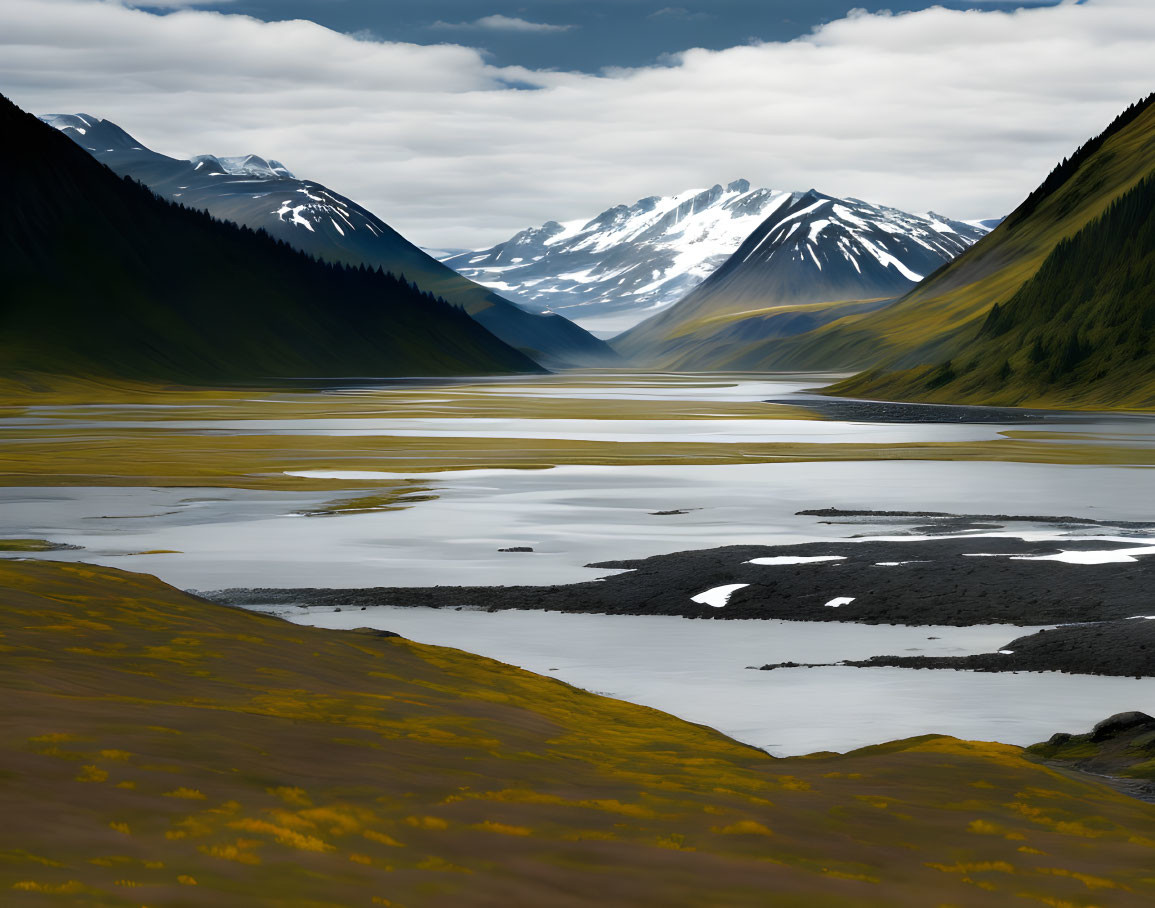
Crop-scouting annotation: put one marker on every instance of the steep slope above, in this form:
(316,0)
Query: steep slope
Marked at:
(1080,332)
(611,271)
(101,277)
(628,263)
(265,195)
(161,750)
(808,259)
(933,322)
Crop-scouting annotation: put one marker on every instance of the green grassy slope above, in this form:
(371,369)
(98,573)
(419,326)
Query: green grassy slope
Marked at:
(740,341)
(935,320)
(100,277)
(1122,746)
(1081,332)
(161,750)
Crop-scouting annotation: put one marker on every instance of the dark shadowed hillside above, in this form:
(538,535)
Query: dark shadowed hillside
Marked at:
(101,277)
(264,195)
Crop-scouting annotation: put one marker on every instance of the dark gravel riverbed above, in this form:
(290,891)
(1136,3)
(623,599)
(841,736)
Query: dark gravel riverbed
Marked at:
(926,579)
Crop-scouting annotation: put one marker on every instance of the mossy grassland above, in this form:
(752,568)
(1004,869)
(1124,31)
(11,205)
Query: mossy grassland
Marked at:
(161,750)
(58,453)
(27,545)
(76,398)
(264,461)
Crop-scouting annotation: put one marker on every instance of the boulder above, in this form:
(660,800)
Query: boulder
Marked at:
(1120,723)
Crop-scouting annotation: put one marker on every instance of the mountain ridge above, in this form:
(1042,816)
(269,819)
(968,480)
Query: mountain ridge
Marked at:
(1079,332)
(910,349)
(634,261)
(138,287)
(264,194)
(846,254)
(634,258)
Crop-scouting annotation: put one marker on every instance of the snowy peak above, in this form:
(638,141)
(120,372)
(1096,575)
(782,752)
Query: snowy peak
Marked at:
(312,207)
(245,165)
(812,259)
(262,194)
(102,137)
(92,133)
(632,261)
(248,189)
(610,271)
(887,249)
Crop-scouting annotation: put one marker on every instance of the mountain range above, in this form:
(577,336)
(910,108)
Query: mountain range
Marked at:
(813,258)
(632,262)
(263,194)
(102,278)
(1051,307)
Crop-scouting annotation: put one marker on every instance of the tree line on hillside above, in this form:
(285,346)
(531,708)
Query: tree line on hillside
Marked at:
(102,276)
(1067,167)
(1086,318)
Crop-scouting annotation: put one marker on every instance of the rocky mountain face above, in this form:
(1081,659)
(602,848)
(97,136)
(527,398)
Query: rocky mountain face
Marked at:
(263,194)
(1120,749)
(632,262)
(609,272)
(812,259)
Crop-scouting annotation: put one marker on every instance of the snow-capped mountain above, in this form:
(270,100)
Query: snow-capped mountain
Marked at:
(610,272)
(810,250)
(243,165)
(815,247)
(631,262)
(263,194)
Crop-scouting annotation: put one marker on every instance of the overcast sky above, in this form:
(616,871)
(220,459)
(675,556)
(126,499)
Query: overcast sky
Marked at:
(461,121)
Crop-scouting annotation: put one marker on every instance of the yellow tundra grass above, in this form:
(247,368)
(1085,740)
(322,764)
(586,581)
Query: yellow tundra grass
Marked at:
(161,750)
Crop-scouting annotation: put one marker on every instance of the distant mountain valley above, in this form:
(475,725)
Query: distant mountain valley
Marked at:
(631,262)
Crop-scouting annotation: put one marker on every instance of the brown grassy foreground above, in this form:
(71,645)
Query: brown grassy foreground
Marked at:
(160,750)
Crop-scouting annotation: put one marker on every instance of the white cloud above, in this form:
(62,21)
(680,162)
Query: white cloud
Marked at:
(962,112)
(172,4)
(501,23)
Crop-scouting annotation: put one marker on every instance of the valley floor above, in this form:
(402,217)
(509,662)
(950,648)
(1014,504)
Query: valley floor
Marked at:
(429,484)
(354,488)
